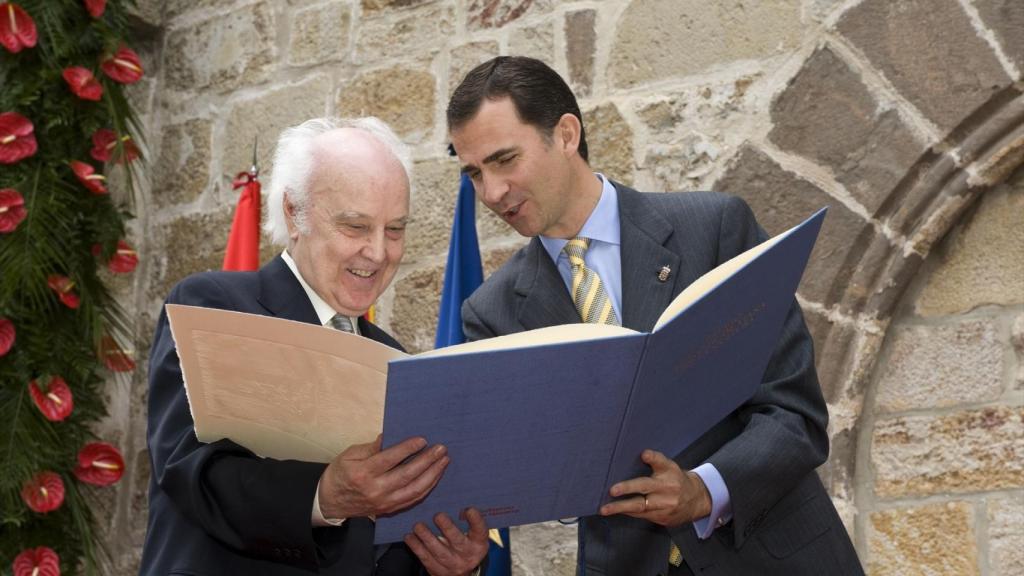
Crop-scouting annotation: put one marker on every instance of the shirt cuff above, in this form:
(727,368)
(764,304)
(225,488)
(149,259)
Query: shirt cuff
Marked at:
(721,505)
(318,519)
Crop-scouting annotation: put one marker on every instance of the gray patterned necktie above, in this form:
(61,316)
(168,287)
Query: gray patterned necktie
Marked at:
(341,322)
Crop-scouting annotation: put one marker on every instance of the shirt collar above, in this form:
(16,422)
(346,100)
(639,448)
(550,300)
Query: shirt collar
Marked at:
(602,225)
(324,312)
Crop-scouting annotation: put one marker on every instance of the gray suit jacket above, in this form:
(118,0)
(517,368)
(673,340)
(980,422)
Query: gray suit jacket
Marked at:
(766,451)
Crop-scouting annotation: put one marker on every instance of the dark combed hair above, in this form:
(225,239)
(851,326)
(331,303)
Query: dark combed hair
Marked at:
(539,94)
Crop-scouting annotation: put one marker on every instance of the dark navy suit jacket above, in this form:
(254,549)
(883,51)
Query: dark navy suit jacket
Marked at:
(766,451)
(217,509)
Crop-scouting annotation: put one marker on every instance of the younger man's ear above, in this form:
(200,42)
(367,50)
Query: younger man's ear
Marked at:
(567,133)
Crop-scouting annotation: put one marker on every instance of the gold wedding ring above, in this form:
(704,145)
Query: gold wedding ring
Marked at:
(645,504)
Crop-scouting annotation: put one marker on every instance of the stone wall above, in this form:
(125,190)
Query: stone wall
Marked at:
(906,117)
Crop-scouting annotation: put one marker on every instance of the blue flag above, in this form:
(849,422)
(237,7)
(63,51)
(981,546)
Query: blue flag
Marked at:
(462,275)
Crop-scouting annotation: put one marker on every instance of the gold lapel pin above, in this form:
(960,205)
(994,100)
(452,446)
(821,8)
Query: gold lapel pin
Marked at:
(664,273)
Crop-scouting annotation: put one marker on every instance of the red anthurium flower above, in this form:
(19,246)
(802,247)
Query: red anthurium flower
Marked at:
(124,66)
(83,83)
(124,260)
(44,492)
(99,463)
(12,209)
(114,357)
(64,287)
(6,336)
(55,402)
(104,142)
(17,140)
(41,561)
(17,30)
(95,7)
(88,177)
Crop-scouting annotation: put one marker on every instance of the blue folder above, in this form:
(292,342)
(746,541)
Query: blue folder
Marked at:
(542,432)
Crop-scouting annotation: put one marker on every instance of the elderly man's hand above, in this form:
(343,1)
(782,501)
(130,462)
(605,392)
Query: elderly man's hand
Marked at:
(454,553)
(367,481)
(669,496)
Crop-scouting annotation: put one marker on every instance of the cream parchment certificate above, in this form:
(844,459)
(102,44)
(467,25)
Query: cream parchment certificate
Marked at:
(283,389)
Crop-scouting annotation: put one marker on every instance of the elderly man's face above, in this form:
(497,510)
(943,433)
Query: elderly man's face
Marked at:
(356,214)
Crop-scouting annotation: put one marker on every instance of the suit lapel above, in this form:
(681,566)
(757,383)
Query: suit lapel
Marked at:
(282,295)
(545,299)
(644,233)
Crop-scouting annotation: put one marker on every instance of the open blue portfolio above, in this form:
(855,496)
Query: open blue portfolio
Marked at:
(540,424)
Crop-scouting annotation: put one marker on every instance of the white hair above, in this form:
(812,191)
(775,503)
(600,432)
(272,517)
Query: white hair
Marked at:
(293,164)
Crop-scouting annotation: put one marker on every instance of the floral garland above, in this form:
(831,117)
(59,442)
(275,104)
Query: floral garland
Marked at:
(59,326)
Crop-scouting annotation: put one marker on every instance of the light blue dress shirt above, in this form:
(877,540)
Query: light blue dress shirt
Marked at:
(602,227)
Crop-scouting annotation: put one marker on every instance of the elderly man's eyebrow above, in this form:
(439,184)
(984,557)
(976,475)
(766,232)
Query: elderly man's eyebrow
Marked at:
(494,156)
(347,215)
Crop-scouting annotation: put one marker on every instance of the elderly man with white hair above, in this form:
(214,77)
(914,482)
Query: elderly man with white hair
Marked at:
(339,202)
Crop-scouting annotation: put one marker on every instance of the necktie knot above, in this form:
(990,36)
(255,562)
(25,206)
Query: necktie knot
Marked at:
(341,322)
(575,250)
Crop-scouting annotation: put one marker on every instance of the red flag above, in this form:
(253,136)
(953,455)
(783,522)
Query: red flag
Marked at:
(243,252)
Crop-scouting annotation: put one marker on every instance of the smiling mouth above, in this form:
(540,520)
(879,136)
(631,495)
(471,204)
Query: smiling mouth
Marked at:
(361,273)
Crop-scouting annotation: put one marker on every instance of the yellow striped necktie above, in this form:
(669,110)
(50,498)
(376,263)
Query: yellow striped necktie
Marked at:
(588,293)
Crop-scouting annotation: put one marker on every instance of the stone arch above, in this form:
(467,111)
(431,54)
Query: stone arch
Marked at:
(854,107)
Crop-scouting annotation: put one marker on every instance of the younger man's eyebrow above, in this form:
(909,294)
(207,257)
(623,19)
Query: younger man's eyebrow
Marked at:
(494,156)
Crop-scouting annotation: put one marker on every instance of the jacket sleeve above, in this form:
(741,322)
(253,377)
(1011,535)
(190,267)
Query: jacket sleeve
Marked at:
(257,506)
(783,434)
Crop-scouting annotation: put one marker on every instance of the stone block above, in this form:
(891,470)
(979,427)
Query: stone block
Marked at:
(1017,338)
(432,208)
(175,8)
(401,96)
(464,58)
(182,172)
(965,451)
(940,366)
(482,14)
(827,114)
(319,34)
(147,12)
(265,116)
(701,105)
(495,258)
(930,52)
(140,97)
(138,506)
(1006,535)
(932,539)
(980,262)
(421,32)
(193,243)
(580,49)
(834,344)
(417,300)
(653,35)
(610,143)
(536,41)
(880,279)
(545,549)
(780,200)
(223,53)
(1006,20)
(682,164)
(374,5)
